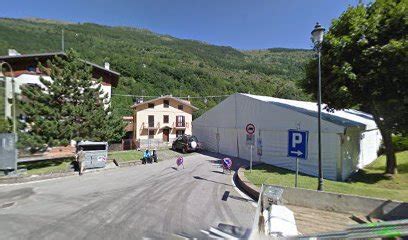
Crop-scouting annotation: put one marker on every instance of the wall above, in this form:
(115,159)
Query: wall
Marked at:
(35,79)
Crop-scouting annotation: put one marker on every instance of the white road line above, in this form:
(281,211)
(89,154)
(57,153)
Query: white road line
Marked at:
(243,194)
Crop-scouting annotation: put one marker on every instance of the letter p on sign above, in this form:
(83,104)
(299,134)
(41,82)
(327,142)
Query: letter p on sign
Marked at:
(297,139)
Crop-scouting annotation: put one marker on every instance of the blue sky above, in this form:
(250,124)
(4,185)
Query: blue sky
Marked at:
(251,24)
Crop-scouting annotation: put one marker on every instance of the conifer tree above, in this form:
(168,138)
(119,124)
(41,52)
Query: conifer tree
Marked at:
(71,106)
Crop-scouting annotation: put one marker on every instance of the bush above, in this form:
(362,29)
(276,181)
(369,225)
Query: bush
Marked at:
(400,144)
(4,126)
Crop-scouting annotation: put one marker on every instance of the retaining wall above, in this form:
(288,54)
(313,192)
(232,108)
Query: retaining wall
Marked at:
(345,203)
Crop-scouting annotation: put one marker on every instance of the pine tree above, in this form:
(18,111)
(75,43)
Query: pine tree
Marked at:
(71,106)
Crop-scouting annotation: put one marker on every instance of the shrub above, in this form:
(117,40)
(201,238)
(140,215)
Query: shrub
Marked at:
(399,142)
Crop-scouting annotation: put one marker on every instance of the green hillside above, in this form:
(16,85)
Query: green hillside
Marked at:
(153,64)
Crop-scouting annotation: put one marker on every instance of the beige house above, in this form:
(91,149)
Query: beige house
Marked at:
(161,120)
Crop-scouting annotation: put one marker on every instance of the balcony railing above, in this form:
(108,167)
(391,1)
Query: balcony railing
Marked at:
(180,124)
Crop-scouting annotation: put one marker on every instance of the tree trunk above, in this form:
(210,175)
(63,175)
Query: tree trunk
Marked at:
(391,164)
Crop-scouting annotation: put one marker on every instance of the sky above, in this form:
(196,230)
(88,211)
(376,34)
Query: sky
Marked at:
(251,24)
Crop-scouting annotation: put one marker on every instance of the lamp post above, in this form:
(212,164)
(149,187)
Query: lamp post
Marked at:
(317,38)
(13,92)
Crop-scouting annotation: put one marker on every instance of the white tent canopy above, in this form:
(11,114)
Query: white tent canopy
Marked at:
(350,138)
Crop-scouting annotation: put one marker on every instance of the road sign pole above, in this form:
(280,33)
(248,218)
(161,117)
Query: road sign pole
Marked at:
(297,172)
(250,163)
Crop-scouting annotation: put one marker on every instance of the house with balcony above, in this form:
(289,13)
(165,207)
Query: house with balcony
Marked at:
(26,72)
(159,121)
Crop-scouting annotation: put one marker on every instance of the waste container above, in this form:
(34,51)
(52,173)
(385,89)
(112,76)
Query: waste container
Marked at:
(96,153)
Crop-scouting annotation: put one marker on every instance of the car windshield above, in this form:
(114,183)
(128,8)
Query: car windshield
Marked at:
(192,139)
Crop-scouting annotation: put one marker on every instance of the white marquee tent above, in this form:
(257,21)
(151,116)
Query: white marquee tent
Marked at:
(350,138)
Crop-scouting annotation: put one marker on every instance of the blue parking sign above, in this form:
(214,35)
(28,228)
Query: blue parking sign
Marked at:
(297,143)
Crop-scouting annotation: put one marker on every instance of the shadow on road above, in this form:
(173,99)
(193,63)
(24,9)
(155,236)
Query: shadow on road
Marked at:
(209,180)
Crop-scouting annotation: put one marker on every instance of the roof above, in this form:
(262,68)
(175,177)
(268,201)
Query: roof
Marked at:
(184,102)
(129,127)
(127,118)
(346,117)
(51,54)
(84,143)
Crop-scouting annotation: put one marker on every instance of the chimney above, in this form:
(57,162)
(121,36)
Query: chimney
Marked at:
(13,52)
(107,65)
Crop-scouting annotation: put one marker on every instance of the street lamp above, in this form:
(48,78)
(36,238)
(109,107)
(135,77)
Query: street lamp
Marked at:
(13,91)
(317,38)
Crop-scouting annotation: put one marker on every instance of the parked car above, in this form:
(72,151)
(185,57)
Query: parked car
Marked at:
(186,143)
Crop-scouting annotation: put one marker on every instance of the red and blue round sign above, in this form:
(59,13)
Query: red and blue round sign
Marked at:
(227,163)
(180,161)
(250,128)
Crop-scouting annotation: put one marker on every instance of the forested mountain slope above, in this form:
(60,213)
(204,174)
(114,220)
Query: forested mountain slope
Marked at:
(154,64)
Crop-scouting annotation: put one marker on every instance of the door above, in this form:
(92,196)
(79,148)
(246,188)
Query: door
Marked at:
(166,133)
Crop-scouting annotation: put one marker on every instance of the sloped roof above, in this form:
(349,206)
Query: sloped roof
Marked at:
(346,117)
(184,102)
(52,54)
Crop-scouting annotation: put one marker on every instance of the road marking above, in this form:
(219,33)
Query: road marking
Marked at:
(243,194)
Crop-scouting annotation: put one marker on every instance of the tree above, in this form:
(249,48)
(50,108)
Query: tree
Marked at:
(364,65)
(70,106)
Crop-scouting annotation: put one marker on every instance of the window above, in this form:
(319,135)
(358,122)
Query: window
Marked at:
(151,134)
(31,69)
(180,121)
(151,120)
(166,119)
(150,105)
(166,103)
(180,107)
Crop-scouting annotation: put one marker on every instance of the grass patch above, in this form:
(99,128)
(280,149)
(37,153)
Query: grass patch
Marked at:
(126,156)
(369,182)
(47,167)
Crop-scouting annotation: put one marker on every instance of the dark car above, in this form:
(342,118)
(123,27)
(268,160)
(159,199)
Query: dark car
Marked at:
(186,143)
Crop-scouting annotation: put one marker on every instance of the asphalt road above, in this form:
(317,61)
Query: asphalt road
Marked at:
(147,201)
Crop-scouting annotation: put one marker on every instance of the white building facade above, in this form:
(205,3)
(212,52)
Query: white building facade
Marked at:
(25,71)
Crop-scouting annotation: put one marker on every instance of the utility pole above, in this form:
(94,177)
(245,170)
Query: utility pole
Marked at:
(317,38)
(62,41)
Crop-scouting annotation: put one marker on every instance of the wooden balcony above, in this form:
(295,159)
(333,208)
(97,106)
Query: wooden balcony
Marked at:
(181,125)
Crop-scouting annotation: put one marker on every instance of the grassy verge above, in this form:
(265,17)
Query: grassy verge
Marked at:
(126,156)
(46,167)
(368,182)
(133,155)
(64,165)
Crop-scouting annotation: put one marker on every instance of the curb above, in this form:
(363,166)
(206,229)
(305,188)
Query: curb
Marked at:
(32,178)
(24,179)
(246,185)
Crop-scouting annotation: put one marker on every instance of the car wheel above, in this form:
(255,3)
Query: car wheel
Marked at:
(173,148)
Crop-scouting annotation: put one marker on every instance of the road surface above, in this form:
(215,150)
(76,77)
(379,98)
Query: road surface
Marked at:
(146,201)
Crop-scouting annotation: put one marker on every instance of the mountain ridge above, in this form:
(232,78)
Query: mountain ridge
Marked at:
(156,64)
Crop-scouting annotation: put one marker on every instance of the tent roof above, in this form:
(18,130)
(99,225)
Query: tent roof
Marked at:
(346,117)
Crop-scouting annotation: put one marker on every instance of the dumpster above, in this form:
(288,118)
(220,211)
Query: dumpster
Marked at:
(96,153)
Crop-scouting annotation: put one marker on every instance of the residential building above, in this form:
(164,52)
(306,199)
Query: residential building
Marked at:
(161,120)
(127,140)
(26,71)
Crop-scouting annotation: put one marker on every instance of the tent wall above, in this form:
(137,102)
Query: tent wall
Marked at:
(272,122)
(208,136)
(369,144)
(274,152)
(228,141)
(350,151)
